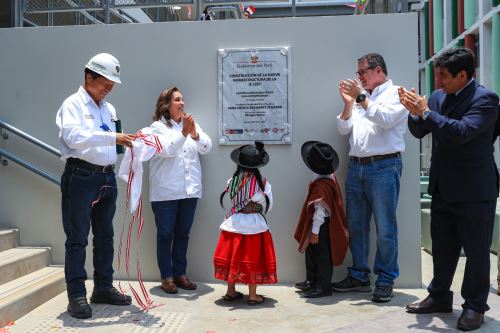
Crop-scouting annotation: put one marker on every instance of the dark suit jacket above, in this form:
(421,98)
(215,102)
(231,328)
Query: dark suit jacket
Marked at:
(462,163)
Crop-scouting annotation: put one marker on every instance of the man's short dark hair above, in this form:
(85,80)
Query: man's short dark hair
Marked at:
(456,60)
(373,60)
(91,72)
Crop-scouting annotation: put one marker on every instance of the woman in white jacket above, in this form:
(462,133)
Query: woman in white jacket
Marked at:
(175,185)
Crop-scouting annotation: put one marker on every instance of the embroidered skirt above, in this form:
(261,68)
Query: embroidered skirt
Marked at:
(248,259)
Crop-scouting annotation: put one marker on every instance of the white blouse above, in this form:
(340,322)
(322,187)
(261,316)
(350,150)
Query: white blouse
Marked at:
(175,173)
(249,224)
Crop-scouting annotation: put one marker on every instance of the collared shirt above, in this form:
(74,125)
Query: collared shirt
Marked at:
(320,211)
(175,173)
(458,92)
(379,130)
(250,224)
(80,134)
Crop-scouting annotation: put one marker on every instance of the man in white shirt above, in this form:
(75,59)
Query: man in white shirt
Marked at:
(88,185)
(376,122)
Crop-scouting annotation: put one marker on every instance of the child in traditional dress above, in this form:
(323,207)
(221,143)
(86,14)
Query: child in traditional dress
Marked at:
(245,250)
(322,229)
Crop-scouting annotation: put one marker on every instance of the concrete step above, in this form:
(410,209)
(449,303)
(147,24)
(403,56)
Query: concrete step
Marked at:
(20,296)
(8,239)
(20,261)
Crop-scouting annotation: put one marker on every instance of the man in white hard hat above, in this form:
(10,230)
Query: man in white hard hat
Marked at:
(88,142)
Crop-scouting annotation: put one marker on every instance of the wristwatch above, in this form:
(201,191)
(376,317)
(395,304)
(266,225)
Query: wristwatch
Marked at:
(425,114)
(360,98)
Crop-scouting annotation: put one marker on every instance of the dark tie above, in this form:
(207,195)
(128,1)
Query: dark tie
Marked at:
(448,101)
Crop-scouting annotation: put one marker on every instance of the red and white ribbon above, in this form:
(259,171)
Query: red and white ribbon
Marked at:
(147,145)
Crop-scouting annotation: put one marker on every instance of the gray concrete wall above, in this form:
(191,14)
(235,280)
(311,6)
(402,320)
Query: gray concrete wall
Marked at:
(40,67)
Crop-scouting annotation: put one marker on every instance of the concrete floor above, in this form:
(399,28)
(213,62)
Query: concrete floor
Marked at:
(204,311)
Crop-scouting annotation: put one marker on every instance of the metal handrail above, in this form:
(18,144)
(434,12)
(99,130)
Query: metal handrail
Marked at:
(30,167)
(36,142)
(31,139)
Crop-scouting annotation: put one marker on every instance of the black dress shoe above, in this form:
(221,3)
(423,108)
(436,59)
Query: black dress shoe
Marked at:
(317,292)
(428,305)
(305,285)
(79,308)
(110,296)
(470,320)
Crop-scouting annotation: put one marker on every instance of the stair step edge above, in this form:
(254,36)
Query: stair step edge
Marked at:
(30,283)
(21,253)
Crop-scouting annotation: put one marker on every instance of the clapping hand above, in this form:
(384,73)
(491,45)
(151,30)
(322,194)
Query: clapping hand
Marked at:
(188,126)
(349,90)
(413,102)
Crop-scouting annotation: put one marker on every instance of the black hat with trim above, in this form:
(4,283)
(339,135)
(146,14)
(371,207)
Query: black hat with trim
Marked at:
(250,156)
(320,157)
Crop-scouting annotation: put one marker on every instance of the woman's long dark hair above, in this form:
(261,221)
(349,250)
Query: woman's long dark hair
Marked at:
(256,173)
(162,105)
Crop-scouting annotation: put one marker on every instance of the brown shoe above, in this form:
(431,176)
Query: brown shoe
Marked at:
(168,286)
(184,283)
(498,289)
(470,320)
(428,305)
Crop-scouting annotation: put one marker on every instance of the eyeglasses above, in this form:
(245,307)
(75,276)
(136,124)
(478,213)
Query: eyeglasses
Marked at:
(362,72)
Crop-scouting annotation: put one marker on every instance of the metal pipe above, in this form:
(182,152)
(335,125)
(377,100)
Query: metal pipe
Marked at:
(105,5)
(18,13)
(31,139)
(30,167)
(365,6)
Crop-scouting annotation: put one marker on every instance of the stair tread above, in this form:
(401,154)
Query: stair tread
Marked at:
(7,231)
(12,255)
(30,282)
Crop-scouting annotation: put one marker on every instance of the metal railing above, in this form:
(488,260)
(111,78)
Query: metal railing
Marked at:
(83,12)
(36,142)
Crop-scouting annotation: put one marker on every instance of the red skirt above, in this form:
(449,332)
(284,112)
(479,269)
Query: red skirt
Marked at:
(248,259)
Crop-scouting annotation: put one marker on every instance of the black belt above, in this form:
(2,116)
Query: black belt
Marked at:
(374,158)
(71,161)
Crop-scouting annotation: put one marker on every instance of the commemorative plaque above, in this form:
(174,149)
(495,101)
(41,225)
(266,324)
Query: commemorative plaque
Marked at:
(254,95)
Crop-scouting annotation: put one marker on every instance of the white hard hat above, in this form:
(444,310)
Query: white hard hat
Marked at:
(106,65)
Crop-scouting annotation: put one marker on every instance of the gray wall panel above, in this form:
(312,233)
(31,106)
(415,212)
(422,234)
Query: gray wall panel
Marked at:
(41,67)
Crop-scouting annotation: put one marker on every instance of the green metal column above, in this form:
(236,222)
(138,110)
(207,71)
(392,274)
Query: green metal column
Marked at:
(426,25)
(469,13)
(437,20)
(454,18)
(429,79)
(495,37)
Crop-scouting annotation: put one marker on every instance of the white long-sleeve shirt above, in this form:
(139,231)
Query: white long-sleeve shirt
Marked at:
(80,134)
(175,173)
(320,211)
(379,130)
(249,224)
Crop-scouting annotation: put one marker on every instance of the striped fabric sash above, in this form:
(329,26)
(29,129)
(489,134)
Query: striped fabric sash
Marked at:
(241,189)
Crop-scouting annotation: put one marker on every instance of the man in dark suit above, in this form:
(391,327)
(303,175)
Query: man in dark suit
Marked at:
(463,182)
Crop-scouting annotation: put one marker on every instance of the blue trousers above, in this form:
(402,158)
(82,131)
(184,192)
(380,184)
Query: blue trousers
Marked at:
(174,219)
(373,189)
(88,199)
